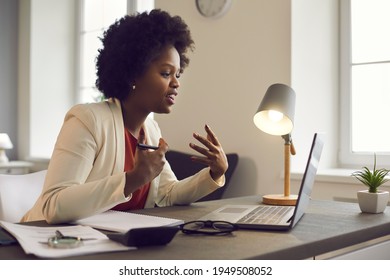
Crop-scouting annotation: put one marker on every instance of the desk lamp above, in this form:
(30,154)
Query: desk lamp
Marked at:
(5,143)
(275,116)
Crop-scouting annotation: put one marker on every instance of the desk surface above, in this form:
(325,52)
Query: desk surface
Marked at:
(326,226)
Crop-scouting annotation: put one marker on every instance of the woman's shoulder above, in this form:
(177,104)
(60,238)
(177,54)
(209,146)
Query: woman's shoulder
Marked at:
(95,110)
(98,117)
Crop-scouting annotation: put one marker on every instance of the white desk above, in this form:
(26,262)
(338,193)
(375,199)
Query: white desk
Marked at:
(15,167)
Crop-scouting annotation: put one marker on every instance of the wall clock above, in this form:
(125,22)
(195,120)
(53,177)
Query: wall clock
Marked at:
(213,8)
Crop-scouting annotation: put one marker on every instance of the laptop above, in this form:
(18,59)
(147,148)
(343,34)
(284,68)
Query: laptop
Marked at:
(274,217)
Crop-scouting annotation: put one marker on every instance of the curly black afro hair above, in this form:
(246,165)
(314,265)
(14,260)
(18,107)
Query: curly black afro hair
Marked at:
(132,43)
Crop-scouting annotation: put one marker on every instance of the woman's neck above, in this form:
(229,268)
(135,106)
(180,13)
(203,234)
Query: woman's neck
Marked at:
(133,119)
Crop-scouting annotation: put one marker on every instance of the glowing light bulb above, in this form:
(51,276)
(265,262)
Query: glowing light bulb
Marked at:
(275,116)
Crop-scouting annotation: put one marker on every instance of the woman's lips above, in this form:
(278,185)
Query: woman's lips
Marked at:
(171,98)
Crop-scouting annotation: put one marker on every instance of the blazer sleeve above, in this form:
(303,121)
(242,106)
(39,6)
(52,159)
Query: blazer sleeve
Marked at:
(82,177)
(169,190)
(181,192)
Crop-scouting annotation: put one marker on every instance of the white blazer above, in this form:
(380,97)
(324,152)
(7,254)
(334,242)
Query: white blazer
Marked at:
(86,171)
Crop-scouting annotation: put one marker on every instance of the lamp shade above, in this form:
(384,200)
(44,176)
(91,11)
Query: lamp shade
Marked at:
(275,114)
(5,141)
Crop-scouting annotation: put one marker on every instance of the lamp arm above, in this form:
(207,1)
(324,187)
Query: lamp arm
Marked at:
(292,149)
(288,149)
(287,138)
(288,141)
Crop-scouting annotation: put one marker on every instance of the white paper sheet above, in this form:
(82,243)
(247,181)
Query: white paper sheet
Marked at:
(33,239)
(124,221)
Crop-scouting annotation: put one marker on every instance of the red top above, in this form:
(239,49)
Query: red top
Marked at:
(138,199)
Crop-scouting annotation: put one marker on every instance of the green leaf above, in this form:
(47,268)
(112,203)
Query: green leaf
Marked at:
(373,179)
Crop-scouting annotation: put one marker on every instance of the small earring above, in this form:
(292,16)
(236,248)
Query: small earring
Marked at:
(133,87)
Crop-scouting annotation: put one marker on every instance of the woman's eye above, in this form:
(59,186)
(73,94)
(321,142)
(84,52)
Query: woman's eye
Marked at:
(167,74)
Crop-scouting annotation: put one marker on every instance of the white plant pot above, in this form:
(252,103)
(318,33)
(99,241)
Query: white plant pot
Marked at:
(373,202)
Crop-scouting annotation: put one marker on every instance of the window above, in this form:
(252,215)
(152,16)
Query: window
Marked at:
(95,17)
(365,82)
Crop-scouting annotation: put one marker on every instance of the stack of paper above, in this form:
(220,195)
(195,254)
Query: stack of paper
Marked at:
(34,239)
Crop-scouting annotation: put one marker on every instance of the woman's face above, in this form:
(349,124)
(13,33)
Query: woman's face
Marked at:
(156,89)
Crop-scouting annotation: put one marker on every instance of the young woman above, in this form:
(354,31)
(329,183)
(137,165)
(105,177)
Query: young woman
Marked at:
(96,163)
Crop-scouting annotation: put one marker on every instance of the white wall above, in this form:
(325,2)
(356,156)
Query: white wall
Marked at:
(46,72)
(315,78)
(236,58)
(8,71)
(315,43)
(315,72)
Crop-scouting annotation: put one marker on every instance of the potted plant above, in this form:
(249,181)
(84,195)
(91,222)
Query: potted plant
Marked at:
(372,200)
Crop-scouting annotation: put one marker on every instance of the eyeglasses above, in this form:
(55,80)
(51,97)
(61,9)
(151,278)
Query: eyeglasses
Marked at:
(208,227)
(63,241)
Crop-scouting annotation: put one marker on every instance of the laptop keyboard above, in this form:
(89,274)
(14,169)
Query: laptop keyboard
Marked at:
(265,215)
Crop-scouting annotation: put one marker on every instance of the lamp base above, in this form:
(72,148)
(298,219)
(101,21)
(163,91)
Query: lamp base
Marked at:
(3,156)
(280,199)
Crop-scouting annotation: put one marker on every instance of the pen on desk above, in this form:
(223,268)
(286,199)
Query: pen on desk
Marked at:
(146,147)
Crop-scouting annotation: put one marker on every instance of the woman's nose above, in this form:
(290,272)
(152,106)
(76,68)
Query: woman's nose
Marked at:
(175,82)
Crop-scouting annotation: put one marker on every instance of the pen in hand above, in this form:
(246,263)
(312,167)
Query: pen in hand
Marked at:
(146,147)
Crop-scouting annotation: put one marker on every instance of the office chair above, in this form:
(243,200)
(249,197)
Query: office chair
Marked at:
(18,194)
(183,167)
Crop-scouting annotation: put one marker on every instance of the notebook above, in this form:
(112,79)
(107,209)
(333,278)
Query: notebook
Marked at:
(278,217)
(124,221)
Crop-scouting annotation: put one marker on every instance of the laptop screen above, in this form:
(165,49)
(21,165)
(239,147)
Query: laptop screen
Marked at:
(308,177)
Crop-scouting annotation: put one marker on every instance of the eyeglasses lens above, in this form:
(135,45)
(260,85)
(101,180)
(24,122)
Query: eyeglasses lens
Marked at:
(208,227)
